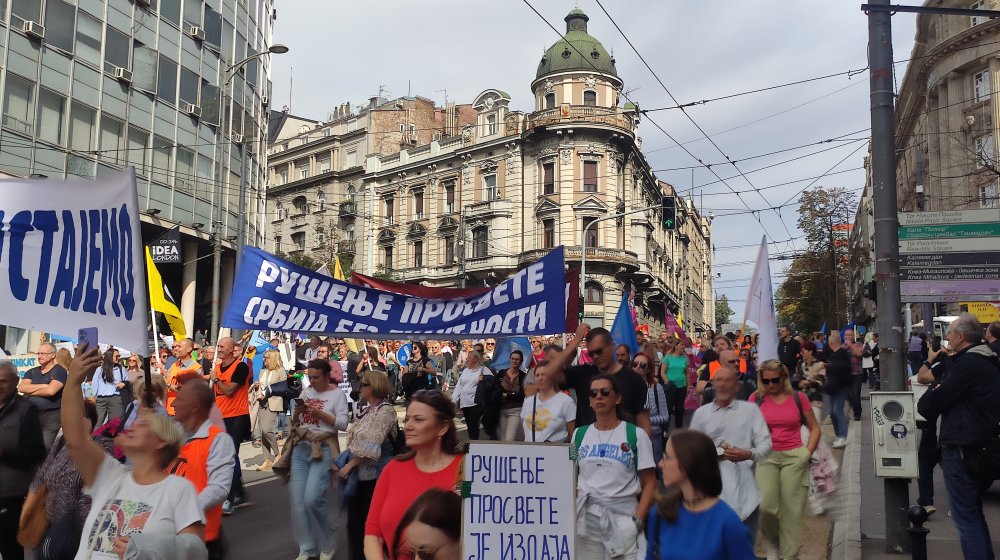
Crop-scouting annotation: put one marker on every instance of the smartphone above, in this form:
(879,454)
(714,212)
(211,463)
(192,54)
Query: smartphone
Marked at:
(936,344)
(299,402)
(88,336)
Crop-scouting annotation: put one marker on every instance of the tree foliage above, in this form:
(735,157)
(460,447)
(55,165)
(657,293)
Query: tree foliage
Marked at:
(815,291)
(723,312)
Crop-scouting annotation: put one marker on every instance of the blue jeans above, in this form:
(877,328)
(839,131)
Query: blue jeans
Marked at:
(836,403)
(308,486)
(965,496)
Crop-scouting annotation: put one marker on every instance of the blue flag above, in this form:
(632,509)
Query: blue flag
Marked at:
(823,328)
(849,327)
(501,354)
(623,329)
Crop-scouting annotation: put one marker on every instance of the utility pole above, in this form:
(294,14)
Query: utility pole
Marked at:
(461,248)
(887,247)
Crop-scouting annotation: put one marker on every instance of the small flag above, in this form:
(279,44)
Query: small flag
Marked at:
(623,329)
(501,354)
(760,307)
(160,299)
(338,274)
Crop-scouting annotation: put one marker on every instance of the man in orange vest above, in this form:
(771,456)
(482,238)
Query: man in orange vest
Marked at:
(186,367)
(206,459)
(231,379)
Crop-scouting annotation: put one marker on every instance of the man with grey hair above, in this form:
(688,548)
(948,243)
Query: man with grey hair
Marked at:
(742,438)
(967,400)
(22,449)
(43,386)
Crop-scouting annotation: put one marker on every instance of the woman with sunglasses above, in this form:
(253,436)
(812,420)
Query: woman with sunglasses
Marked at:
(615,478)
(431,462)
(783,476)
(419,372)
(432,528)
(656,401)
(689,520)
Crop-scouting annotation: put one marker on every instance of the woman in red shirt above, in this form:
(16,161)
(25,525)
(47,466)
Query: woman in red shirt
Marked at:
(431,463)
(783,476)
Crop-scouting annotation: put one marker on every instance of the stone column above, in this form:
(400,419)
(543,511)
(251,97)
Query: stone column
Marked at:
(189,285)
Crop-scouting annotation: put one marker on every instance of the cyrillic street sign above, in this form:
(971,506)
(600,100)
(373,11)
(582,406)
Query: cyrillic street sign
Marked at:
(984,215)
(948,245)
(949,273)
(949,259)
(950,231)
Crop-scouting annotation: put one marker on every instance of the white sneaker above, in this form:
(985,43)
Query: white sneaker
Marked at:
(326,555)
(771,549)
(839,443)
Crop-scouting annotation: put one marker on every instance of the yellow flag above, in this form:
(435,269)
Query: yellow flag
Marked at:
(338,274)
(159,300)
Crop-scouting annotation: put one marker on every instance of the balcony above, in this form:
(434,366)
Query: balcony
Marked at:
(489,208)
(348,209)
(594,255)
(346,246)
(580,114)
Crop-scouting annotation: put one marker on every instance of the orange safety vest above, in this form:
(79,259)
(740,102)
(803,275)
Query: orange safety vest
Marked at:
(177,371)
(192,465)
(237,404)
(712,368)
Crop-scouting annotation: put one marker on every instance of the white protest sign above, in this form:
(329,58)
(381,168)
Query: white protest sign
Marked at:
(287,351)
(23,362)
(520,502)
(71,257)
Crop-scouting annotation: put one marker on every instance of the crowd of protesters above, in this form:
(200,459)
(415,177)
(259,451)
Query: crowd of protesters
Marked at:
(91,446)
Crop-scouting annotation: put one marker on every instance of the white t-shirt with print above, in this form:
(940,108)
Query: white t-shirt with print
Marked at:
(122,508)
(333,401)
(605,462)
(548,416)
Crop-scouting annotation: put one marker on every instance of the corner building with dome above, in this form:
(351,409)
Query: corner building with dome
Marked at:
(483,199)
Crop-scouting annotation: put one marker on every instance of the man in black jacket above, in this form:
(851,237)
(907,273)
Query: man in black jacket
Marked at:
(22,449)
(967,402)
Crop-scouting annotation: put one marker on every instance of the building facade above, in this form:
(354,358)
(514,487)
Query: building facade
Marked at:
(946,128)
(90,87)
(476,203)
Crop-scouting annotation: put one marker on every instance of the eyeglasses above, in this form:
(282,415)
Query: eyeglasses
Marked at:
(604,391)
(640,365)
(491,343)
(770,380)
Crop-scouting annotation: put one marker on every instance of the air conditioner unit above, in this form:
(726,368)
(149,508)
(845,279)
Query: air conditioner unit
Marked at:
(32,29)
(237,138)
(192,109)
(123,75)
(196,33)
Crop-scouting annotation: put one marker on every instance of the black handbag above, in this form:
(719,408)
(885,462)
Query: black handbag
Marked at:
(290,388)
(983,461)
(61,539)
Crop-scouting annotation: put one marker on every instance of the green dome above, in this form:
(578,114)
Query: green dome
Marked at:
(577,51)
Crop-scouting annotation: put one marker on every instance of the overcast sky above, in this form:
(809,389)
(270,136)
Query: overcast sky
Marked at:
(344,51)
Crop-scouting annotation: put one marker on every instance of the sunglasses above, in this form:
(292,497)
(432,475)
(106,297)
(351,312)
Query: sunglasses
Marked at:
(640,365)
(770,380)
(604,392)
(491,343)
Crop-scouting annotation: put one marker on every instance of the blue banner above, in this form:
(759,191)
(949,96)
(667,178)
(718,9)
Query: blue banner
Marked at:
(274,294)
(623,329)
(501,354)
(404,353)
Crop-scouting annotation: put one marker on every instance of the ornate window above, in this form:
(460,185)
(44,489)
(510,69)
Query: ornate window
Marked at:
(449,197)
(550,100)
(588,234)
(981,86)
(593,293)
(301,205)
(389,204)
(480,242)
(449,249)
(549,178)
(548,233)
(320,200)
(418,253)
(590,98)
(418,204)
(490,190)
(590,176)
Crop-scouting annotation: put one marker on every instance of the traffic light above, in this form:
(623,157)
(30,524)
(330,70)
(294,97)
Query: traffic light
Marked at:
(669,212)
(872,291)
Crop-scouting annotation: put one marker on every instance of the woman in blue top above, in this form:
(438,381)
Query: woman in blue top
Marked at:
(109,381)
(689,521)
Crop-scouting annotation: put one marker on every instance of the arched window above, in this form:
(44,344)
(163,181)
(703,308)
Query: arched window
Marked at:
(321,200)
(480,242)
(301,205)
(593,293)
(279,208)
(350,194)
(590,98)
(550,100)
(491,124)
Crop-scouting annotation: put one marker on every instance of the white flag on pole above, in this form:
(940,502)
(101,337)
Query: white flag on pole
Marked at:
(760,307)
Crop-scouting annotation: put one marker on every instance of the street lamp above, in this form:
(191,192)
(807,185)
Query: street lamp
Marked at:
(231,71)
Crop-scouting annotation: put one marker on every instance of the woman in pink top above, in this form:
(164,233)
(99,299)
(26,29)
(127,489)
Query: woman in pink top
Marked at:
(783,476)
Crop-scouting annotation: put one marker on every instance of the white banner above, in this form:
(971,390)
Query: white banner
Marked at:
(71,257)
(518,501)
(760,307)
